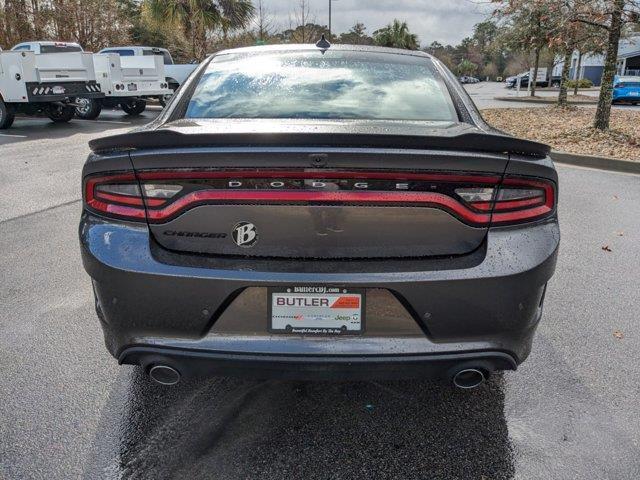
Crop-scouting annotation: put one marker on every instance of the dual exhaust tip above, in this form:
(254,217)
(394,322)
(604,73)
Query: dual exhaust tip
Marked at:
(164,374)
(468,378)
(465,379)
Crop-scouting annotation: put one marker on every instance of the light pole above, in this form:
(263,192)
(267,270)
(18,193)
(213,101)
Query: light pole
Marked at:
(330,16)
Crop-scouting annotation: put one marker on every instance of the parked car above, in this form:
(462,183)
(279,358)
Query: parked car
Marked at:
(34,82)
(512,82)
(47,47)
(626,89)
(288,221)
(468,79)
(175,74)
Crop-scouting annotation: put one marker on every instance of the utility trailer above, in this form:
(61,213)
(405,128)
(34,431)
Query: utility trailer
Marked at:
(175,74)
(127,83)
(49,83)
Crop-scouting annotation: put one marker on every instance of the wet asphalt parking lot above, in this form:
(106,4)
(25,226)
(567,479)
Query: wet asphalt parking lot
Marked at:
(68,410)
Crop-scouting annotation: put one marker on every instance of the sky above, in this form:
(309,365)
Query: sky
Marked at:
(447,21)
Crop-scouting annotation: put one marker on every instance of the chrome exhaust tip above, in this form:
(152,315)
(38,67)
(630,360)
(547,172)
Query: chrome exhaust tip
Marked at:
(468,378)
(164,375)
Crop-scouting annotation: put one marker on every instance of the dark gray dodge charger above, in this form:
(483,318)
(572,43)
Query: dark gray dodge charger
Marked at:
(319,212)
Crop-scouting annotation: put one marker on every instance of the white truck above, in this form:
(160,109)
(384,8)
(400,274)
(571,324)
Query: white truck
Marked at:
(127,82)
(45,77)
(175,74)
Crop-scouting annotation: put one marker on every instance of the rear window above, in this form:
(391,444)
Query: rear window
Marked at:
(166,57)
(122,52)
(333,85)
(59,48)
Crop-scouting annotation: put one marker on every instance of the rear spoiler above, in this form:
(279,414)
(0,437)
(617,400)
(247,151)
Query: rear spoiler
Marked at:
(169,138)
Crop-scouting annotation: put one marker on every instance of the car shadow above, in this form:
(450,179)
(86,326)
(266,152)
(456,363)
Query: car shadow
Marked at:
(230,428)
(27,129)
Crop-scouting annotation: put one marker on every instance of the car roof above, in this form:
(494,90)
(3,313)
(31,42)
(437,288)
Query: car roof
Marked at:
(628,78)
(47,43)
(120,47)
(297,47)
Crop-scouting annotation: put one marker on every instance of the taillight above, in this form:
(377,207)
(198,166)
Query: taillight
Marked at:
(522,199)
(476,199)
(119,195)
(115,195)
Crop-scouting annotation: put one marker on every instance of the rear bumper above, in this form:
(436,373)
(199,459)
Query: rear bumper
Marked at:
(43,92)
(296,367)
(155,305)
(626,98)
(159,92)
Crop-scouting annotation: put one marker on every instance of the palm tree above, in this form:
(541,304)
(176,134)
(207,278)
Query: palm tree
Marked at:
(197,17)
(396,35)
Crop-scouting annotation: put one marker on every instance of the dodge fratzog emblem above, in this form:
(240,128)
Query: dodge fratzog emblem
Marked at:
(245,234)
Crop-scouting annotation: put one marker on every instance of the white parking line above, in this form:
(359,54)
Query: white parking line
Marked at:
(101,121)
(11,135)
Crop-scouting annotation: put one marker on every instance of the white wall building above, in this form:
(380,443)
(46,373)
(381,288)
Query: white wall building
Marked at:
(591,66)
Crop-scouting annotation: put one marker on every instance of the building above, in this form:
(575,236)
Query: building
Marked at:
(591,66)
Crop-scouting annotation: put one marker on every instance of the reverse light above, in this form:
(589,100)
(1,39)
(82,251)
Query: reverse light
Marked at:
(160,191)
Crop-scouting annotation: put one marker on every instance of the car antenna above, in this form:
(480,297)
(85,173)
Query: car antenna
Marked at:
(323,43)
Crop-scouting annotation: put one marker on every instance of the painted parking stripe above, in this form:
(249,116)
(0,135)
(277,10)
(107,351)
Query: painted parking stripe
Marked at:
(11,135)
(101,121)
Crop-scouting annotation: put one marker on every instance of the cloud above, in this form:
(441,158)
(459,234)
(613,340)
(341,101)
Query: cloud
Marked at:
(447,21)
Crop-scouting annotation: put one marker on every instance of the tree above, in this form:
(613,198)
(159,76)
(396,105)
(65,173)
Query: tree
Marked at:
(302,26)
(466,67)
(356,36)
(610,16)
(263,23)
(396,35)
(308,33)
(198,18)
(530,23)
(442,53)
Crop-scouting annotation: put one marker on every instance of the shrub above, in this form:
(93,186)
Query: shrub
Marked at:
(582,83)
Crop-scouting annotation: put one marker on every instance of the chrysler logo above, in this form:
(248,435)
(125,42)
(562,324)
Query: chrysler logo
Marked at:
(245,234)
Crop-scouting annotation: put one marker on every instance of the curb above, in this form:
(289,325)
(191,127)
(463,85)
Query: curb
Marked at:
(592,161)
(551,101)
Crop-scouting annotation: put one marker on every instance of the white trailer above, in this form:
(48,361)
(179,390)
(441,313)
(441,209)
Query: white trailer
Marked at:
(49,83)
(175,74)
(127,83)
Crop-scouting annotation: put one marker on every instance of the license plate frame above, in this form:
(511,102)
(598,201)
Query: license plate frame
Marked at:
(317,314)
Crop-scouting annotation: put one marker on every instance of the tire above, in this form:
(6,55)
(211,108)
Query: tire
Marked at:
(88,109)
(133,107)
(164,99)
(60,114)
(7,115)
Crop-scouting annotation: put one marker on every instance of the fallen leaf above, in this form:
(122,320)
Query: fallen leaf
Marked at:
(618,334)
(606,248)
(570,130)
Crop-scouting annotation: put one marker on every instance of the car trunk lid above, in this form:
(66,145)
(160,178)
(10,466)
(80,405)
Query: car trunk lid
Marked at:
(337,190)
